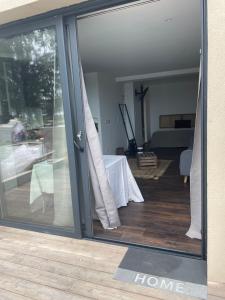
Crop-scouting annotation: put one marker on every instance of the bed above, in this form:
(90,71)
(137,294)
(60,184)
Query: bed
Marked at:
(172,138)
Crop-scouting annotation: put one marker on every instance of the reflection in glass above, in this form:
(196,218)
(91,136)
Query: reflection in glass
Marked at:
(34,176)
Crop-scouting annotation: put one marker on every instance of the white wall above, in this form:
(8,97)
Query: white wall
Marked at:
(170,96)
(165,96)
(91,81)
(111,94)
(104,96)
(92,87)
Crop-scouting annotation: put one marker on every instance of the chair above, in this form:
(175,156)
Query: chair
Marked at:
(185,163)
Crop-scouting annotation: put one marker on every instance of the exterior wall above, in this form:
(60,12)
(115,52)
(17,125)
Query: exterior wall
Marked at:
(12,10)
(216,140)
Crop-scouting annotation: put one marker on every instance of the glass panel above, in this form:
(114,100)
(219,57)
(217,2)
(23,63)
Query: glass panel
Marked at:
(34,175)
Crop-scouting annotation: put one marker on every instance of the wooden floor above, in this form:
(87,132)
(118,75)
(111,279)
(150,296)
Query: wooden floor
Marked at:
(164,218)
(39,266)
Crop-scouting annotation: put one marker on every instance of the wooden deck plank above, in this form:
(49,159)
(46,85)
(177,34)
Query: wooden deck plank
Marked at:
(48,255)
(39,266)
(99,276)
(59,241)
(85,274)
(6,295)
(33,290)
(60,257)
(65,283)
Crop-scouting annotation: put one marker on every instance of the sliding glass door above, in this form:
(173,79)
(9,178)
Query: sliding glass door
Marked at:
(116,72)
(35,184)
(77,109)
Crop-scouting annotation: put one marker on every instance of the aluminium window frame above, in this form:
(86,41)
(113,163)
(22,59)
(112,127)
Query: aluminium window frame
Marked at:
(55,22)
(57,17)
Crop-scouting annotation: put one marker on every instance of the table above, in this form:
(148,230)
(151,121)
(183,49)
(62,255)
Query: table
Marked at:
(41,182)
(52,177)
(121,180)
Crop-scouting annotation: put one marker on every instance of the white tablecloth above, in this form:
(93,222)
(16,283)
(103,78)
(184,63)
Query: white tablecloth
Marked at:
(41,182)
(121,180)
(49,180)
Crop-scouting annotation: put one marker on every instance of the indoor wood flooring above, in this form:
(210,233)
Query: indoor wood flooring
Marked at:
(164,218)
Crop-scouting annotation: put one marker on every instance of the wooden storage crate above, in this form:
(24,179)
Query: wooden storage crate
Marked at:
(147,159)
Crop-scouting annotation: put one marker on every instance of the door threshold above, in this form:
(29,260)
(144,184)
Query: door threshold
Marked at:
(142,246)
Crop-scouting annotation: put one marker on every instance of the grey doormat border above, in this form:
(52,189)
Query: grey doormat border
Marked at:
(173,273)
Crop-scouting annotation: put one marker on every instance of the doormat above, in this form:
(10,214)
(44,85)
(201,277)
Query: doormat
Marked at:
(148,172)
(178,274)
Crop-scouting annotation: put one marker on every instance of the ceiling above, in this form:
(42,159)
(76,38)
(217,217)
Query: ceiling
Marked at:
(152,37)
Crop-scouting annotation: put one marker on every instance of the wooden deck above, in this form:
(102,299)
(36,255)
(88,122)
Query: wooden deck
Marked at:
(45,267)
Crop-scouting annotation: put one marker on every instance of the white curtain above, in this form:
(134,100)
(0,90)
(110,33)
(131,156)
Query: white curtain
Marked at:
(196,173)
(105,204)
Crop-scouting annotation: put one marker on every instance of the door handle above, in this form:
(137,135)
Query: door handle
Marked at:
(81,149)
(79,136)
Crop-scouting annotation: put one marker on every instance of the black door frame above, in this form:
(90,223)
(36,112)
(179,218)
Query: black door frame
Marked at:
(72,104)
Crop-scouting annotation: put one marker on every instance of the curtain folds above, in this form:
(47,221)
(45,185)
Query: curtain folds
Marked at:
(105,204)
(196,172)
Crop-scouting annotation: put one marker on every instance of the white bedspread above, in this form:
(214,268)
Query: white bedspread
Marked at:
(121,180)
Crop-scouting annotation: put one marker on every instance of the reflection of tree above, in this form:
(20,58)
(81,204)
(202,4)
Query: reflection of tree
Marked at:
(32,72)
(3,96)
(38,84)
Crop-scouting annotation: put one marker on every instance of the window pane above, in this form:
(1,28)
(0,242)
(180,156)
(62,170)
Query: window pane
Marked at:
(34,175)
